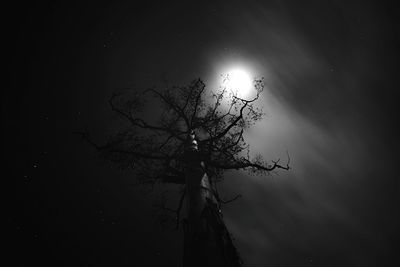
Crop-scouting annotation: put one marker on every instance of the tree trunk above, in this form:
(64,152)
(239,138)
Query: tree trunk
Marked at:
(207,242)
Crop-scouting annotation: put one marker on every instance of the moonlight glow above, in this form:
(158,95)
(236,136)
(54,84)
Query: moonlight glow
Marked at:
(239,82)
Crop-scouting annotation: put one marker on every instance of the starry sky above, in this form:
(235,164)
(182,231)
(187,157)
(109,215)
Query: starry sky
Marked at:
(330,72)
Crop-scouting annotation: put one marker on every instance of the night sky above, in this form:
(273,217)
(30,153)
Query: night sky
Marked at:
(330,69)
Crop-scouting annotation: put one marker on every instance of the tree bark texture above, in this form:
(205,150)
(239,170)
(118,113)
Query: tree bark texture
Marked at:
(207,242)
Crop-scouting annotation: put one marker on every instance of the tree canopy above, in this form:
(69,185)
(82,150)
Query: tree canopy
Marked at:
(153,147)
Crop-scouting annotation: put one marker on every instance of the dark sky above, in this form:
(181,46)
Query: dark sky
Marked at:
(331,78)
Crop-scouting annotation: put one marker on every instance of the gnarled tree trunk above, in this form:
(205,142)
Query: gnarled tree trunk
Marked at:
(207,241)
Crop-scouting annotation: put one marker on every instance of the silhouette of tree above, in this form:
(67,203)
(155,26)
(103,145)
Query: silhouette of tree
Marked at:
(191,142)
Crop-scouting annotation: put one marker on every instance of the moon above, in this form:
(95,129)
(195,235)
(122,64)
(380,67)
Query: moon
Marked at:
(239,82)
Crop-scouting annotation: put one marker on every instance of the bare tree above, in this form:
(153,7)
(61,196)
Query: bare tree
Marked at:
(194,140)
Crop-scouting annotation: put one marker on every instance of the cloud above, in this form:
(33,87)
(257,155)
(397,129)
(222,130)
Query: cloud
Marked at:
(320,108)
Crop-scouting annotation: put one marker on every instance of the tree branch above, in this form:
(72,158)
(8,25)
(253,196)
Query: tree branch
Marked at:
(198,97)
(177,211)
(138,122)
(238,118)
(174,106)
(244,164)
(230,200)
(143,155)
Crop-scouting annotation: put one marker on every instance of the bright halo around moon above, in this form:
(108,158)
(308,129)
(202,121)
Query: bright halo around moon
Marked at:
(239,82)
